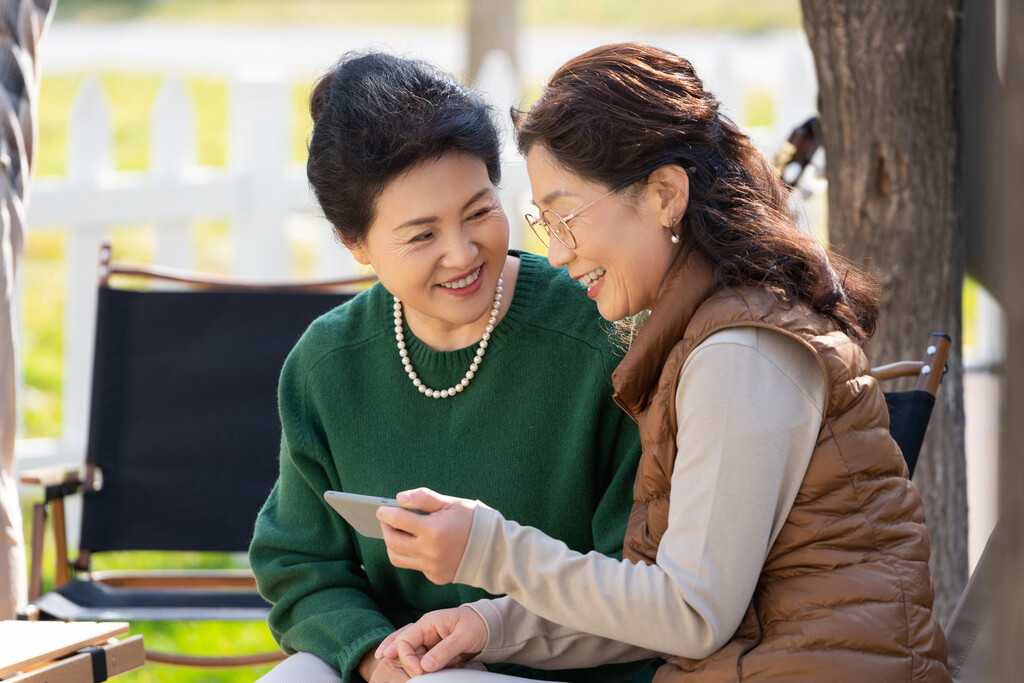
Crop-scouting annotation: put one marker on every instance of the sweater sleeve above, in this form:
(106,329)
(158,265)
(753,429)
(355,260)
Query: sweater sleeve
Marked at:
(750,406)
(519,635)
(303,555)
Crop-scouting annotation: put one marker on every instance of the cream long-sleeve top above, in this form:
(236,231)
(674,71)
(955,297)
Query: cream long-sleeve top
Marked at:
(749,404)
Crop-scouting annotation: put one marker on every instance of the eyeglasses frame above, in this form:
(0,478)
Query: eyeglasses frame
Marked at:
(534,221)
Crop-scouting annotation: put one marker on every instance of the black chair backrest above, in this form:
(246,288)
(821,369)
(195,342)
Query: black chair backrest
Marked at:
(909,413)
(184,424)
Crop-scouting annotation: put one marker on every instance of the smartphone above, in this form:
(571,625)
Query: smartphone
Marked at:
(359,511)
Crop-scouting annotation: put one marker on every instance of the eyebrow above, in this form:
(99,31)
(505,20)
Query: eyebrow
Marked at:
(413,222)
(557,194)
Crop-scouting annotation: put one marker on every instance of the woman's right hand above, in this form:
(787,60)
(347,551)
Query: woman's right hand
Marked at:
(449,636)
(432,543)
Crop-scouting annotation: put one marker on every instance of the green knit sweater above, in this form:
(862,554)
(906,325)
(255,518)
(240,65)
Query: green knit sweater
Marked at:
(535,435)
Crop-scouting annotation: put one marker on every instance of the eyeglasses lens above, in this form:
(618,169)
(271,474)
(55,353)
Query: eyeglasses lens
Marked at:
(558,228)
(539,229)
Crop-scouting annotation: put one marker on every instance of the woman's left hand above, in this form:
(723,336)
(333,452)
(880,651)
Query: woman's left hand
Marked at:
(452,636)
(432,543)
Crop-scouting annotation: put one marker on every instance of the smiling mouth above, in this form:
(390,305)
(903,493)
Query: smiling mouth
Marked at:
(591,278)
(464,282)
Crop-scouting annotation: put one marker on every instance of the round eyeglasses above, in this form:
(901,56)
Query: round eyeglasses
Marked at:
(551,223)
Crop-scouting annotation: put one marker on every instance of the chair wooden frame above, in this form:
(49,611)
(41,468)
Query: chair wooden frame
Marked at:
(910,411)
(60,482)
(928,371)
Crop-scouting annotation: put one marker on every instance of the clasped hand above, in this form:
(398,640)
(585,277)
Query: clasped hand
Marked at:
(432,543)
(440,639)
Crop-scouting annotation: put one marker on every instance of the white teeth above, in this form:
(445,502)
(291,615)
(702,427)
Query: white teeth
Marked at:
(591,278)
(464,282)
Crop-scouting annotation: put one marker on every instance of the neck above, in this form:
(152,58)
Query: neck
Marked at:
(439,335)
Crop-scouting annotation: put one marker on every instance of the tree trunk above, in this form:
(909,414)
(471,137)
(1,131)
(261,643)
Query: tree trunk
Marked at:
(493,25)
(886,78)
(1005,172)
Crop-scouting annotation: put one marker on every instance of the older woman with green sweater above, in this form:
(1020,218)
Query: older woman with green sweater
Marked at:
(468,367)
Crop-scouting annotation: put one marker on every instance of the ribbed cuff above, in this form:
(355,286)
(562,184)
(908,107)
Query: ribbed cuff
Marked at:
(348,660)
(479,546)
(491,615)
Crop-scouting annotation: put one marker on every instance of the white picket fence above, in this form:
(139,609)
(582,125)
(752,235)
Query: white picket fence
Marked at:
(260,192)
(257,192)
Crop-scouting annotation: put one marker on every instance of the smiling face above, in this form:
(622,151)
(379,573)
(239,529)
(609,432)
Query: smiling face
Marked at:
(622,249)
(439,242)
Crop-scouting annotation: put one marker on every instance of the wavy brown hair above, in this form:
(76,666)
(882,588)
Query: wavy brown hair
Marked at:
(618,112)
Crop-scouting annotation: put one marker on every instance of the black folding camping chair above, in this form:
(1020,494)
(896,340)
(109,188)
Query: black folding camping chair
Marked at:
(182,449)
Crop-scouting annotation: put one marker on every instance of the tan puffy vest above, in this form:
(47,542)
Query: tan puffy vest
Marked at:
(845,593)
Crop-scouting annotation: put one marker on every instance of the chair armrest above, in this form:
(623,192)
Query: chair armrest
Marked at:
(929,372)
(903,368)
(241,579)
(53,476)
(58,483)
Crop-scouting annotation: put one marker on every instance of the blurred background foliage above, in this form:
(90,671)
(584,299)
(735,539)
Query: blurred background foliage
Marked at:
(133,94)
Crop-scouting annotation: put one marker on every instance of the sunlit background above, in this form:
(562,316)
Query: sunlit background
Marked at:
(194,111)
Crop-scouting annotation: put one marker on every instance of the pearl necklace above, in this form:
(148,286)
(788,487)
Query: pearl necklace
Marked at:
(477,358)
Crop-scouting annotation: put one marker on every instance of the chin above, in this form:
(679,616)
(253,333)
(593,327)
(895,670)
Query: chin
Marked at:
(609,315)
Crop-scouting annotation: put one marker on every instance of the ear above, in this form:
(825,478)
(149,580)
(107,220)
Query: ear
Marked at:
(668,188)
(358,253)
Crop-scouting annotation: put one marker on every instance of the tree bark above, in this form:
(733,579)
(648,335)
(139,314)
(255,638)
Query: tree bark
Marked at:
(493,25)
(887,86)
(1004,248)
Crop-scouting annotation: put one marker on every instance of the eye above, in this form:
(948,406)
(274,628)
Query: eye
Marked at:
(422,237)
(479,213)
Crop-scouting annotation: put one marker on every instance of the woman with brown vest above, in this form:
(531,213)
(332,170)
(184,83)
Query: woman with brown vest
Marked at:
(775,534)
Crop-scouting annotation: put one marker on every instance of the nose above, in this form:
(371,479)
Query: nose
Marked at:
(460,250)
(558,253)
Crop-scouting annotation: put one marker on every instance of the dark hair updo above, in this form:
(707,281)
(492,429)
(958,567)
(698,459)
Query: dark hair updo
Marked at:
(619,112)
(375,116)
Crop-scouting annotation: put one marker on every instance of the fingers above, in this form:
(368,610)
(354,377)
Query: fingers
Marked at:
(411,523)
(407,551)
(389,672)
(409,657)
(387,645)
(433,543)
(445,653)
(415,502)
(454,635)
(423,499)
(467,635)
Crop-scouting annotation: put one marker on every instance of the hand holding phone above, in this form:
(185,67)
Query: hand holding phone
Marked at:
(360,511)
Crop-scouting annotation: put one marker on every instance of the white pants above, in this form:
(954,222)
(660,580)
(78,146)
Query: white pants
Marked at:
(303,667)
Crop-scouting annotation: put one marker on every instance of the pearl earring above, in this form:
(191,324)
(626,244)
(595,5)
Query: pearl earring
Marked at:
(674,238)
